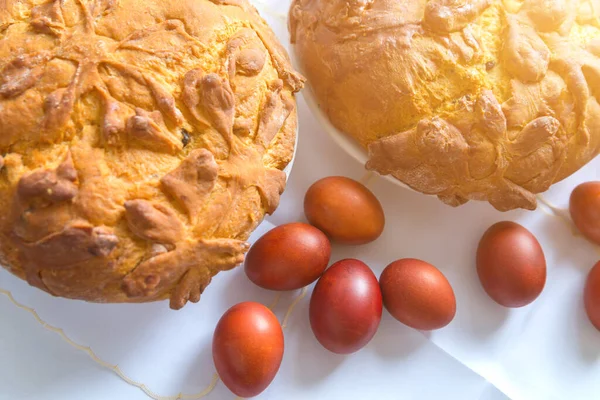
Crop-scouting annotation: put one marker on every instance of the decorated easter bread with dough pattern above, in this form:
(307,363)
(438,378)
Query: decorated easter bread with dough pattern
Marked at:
(142,141)
(463,99)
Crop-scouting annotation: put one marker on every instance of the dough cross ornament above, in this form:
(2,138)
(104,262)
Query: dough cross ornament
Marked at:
(142,143)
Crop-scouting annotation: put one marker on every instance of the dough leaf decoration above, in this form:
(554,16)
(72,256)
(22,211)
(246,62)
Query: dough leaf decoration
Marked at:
(154,222)
(489,113)
(58,107)
(42,201)
(539,153)
(189,268)
(244,55)
(48,18)
(276,110)
(114,123)
(50,186)
(218,101)
(191,97)
(22,73)
(526,56)
(271,187)
(211,101)
(149,128)
(77,243)
(527,103)
(191,182)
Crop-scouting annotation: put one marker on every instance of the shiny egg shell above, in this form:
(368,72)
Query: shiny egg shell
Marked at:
(417,294)
(345,307)
(288,257)
(247,348)
(511,264)
(591,296)
(345,210)
(584,206)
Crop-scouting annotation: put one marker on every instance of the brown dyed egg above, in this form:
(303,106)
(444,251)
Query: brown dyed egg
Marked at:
(417,294)
(591,296)
(345,210)
(288,257)
(345,307)
(247,348)
(511,264)
(584,206)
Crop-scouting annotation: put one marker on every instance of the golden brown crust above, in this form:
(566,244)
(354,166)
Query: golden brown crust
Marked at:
(464,99)
(142,142)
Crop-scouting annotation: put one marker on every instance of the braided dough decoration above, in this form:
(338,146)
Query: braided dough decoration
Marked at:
(464,99)
(142,141)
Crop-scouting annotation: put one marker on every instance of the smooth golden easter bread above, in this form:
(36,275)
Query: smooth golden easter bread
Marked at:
(142,141)
(464,99)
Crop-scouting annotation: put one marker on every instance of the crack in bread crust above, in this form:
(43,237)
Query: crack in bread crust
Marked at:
(142,142)
(490,100)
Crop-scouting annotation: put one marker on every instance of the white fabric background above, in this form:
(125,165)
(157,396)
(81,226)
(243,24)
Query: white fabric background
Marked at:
(545,351)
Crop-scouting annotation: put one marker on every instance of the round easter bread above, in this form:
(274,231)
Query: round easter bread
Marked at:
(142,141)
(490,100)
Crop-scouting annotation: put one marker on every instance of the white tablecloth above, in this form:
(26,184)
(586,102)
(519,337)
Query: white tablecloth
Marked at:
(545,351)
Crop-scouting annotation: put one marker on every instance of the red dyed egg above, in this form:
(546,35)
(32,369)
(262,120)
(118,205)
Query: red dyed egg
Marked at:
(591,296)
(584,206)
(345,210)
(288,257)
(417,294)
(345,307)
(247,348)
(511,264)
